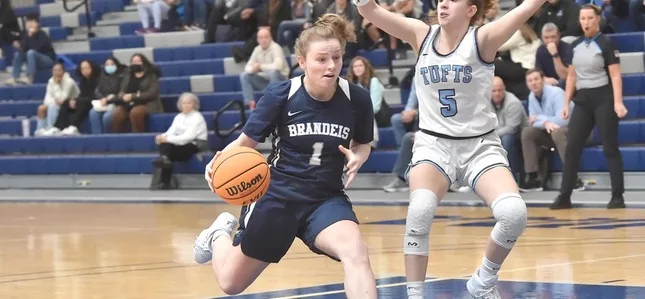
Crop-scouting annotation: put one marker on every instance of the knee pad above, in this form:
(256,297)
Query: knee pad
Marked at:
(423,204)
(510,211)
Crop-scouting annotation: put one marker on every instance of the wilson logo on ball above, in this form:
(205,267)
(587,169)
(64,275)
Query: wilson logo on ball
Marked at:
(244,186)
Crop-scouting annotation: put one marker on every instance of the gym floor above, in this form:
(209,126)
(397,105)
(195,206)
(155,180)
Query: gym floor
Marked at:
(138,244)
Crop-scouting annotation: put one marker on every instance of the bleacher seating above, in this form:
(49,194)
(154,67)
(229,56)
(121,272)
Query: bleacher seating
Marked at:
(209,71)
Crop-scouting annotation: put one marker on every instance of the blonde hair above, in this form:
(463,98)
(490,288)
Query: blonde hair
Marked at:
(484,7)
(328,26)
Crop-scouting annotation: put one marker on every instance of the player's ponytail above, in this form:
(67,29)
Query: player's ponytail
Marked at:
(326,27)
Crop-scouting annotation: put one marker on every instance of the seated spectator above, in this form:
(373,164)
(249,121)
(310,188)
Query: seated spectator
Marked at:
(195,14)
(546,128)
(186,136)
(350,12)
(408,119)
(35,50)
(511,118)
(522,46)
(155,9)
(288,30)
(74,112)
(108,88)
(61,88)
(10,31)
(406,8)
(228,12)
(266,65)
(631,10)
(562,13)
(318,8)
(399,183)
(138,96)
(554,56)
(362,73)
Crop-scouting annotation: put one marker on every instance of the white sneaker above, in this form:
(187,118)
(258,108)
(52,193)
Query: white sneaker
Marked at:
(71,130)
(39,132)
(53,131)
(479,290)
(202,250)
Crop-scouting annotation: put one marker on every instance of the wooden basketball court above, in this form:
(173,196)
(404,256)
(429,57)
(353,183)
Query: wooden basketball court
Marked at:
(144,250)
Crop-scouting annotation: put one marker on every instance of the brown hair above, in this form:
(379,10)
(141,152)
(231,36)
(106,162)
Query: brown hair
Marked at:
(595,8)
(367,75)
(328,26)
(527,33)
(484,7)
(534,70)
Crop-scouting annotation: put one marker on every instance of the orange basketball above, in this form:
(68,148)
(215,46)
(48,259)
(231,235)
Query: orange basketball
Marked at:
(241,176)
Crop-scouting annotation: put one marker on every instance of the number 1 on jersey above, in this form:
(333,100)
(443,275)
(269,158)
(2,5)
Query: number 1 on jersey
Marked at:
(446,98)
(315,157)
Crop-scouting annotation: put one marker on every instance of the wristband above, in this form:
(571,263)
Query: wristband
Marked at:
(361,2)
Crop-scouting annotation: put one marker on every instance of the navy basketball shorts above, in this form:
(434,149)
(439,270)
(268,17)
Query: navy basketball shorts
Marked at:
(269,226)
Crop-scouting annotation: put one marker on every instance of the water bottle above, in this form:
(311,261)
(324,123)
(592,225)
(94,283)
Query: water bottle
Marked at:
(25,127)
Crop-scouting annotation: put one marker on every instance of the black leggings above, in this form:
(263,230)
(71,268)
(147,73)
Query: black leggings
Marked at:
(175,153)
(593,106)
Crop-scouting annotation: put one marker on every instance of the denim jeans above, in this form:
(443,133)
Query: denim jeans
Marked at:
(34,60)
(156,9)
(100,122)
(252,82)
(405,155)
(288,31)
(401,128)
(50,119)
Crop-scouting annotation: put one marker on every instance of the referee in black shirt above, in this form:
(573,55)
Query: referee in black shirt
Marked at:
(594,76)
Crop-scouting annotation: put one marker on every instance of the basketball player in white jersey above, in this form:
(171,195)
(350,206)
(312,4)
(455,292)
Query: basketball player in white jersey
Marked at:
(457,140)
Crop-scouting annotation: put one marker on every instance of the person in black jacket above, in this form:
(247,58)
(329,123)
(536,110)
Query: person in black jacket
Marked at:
(35,49)
(9,29)
(563,13)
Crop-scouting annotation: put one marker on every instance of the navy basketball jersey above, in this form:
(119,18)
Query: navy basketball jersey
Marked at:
(306,163)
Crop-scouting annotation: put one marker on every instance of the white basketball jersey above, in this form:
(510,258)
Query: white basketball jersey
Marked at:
(454,90)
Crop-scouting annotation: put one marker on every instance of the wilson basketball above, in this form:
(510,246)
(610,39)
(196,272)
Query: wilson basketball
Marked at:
(241,176)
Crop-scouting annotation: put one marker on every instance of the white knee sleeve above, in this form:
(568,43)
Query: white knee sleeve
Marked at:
(510,211)
(423,204)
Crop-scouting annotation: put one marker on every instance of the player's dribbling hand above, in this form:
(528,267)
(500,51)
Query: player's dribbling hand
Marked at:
(353,164)
(208,173)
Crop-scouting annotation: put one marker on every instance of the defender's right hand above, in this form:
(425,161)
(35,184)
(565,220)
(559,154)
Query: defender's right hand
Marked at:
(208,173)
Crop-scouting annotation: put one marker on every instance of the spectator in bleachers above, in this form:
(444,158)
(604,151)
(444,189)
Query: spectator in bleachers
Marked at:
(60,88)
(553,57)
(349,11)
(151,9)
(522,46)
(195,14)
(73,113)
(9,30)
(229,12)
(546,128)
(563,13)
(186,136)
(511,118)
(106,95)
(267,64)
(408,119)
(596,80)
(35,50)
(288,30)
(407,8)
(138,96)
(399,183)
(362,73)
(632,10)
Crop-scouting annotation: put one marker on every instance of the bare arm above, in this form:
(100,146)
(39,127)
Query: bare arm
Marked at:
(494,34)
(411,31)
(560,68)
(242,140)
(570,87)
(362,151)
(616,82)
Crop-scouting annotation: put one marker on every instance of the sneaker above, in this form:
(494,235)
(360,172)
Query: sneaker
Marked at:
(616,202)
(141,31)
(480,290)
(25,80)
(71,130)
(580,186)
(531,185)
(53,131)
(202,250)
(40,132)
(397,185)
(561,203)
(11,82)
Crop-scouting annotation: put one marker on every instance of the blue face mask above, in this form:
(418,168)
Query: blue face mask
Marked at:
(110,69)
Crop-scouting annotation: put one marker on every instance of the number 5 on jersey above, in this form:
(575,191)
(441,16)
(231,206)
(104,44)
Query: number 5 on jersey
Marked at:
(447,99)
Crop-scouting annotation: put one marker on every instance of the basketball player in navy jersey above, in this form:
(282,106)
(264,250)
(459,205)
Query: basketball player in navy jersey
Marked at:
(457,142)
(318,121)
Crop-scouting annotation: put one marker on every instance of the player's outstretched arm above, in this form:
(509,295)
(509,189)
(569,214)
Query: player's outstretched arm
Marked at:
(494,34)
(411,31)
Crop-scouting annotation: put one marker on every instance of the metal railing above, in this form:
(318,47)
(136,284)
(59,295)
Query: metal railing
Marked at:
(88,17)
(235,127)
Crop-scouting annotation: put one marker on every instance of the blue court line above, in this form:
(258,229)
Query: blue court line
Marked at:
(456,288)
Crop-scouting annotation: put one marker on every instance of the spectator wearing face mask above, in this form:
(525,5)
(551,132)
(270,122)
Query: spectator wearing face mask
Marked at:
(106,95)
(138,96)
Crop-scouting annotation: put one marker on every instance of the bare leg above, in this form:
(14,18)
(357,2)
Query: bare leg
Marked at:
(343,240)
